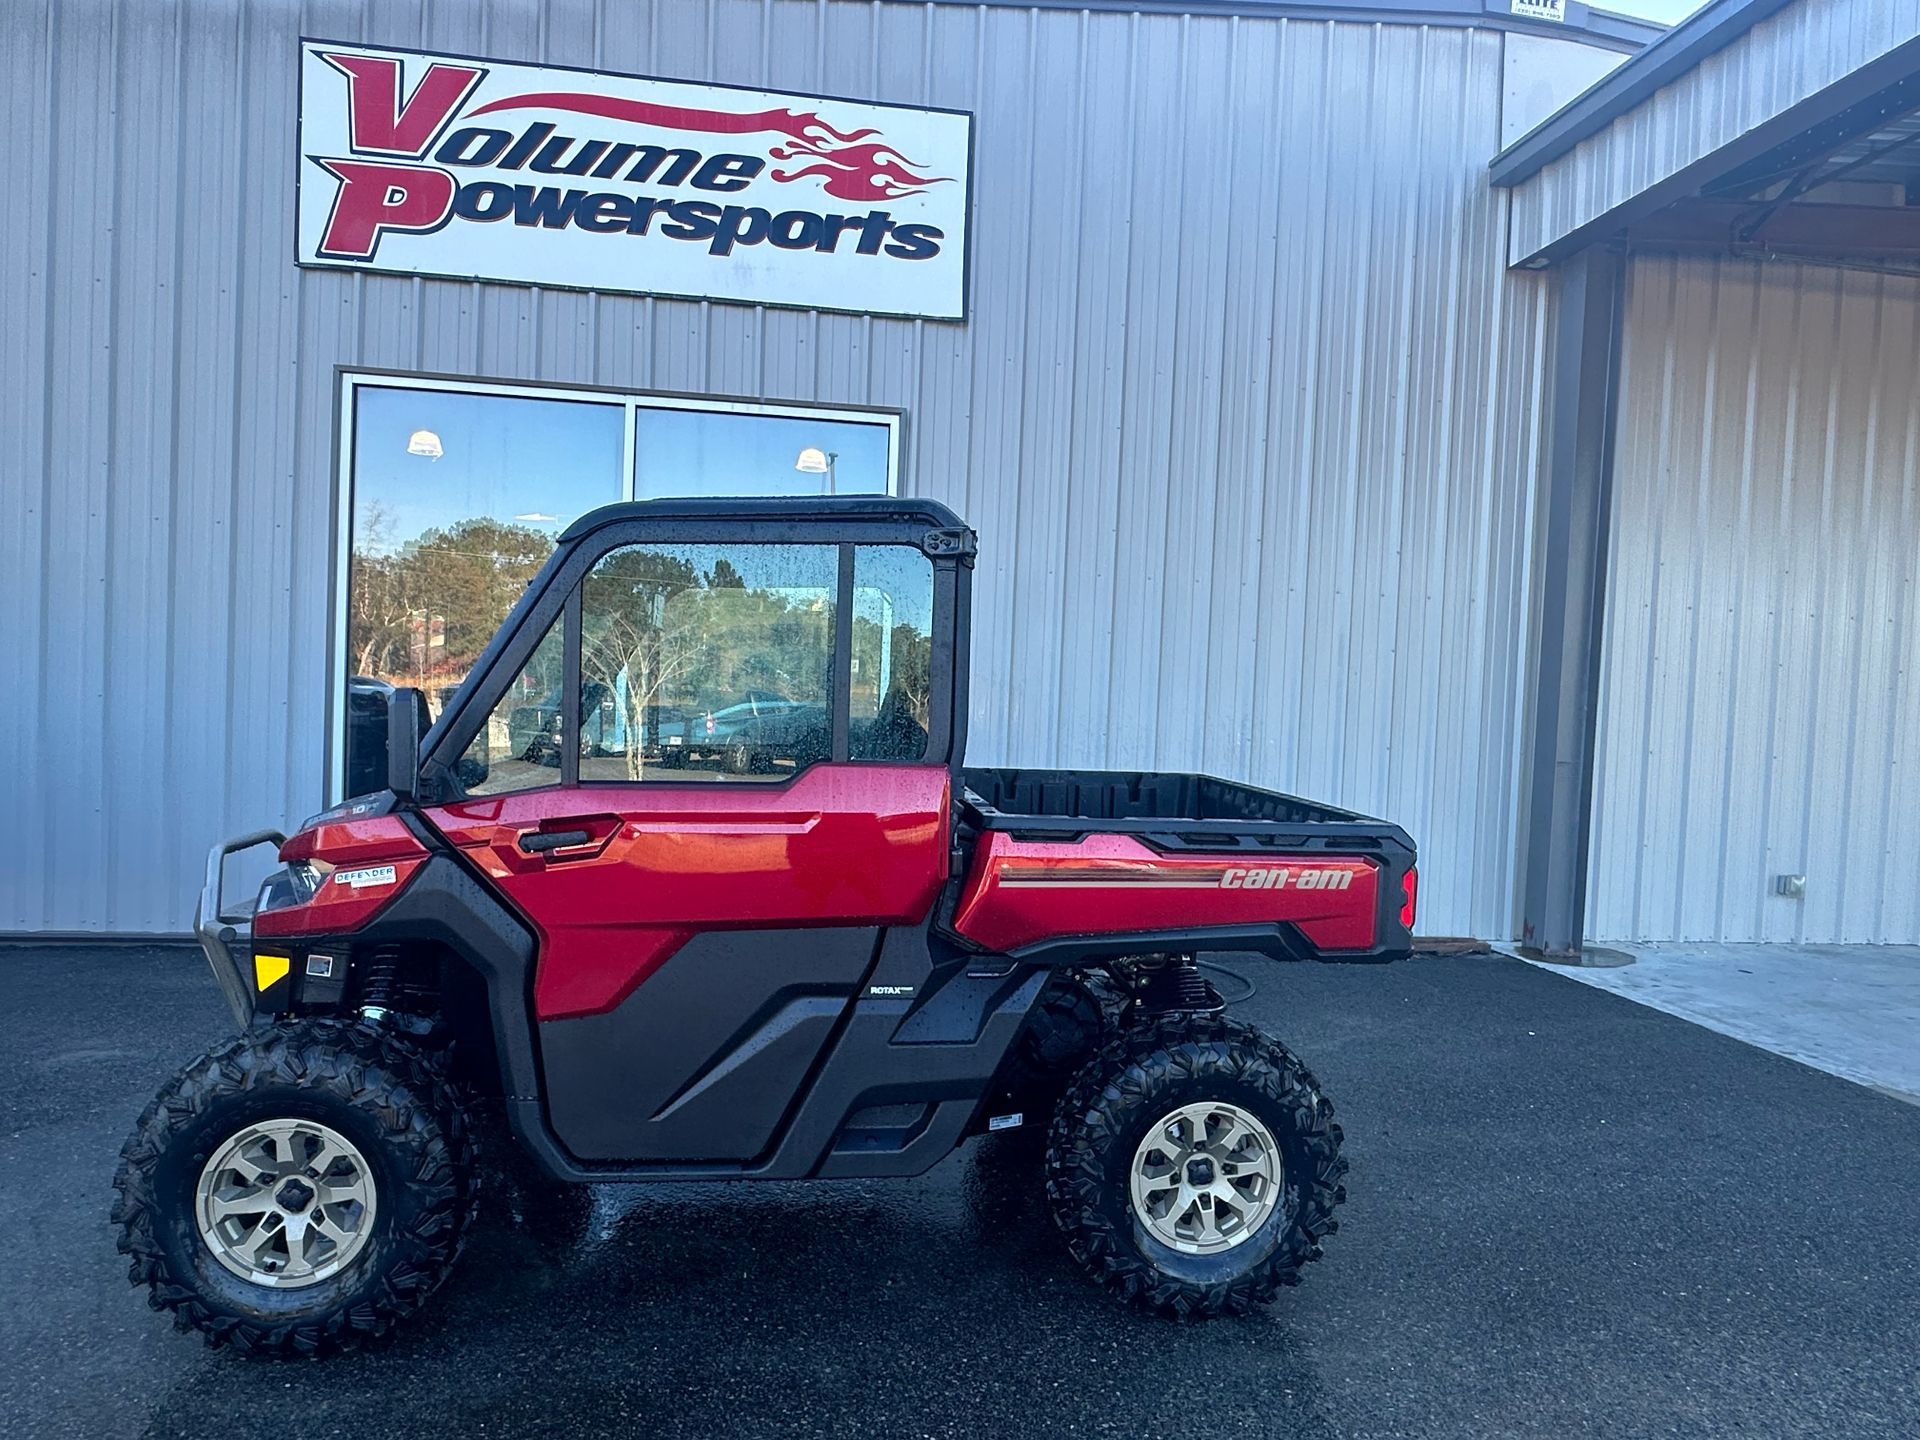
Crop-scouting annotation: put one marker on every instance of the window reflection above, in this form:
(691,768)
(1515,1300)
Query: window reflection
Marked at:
(457,500)
(520,745)
(458,496)
(892,653)
(708,452)
(706,662)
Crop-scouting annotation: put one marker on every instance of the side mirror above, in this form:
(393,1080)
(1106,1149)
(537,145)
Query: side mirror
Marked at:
(406,723)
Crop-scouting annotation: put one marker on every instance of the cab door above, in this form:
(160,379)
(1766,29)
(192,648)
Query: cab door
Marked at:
(703,927)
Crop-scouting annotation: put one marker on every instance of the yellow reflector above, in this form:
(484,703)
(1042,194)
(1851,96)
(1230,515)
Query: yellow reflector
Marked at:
(269,968)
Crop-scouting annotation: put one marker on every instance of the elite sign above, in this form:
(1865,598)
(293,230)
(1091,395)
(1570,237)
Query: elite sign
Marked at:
(477,169)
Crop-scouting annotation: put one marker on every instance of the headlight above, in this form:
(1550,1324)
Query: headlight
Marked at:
(294,884)
(307,877)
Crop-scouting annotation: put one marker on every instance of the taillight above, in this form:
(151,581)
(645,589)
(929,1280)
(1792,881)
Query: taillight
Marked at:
(1410,883)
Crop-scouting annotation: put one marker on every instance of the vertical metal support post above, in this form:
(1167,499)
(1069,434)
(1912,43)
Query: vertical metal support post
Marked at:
(1578,502)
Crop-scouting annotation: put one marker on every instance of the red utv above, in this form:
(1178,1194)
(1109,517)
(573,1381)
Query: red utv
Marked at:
(841,960)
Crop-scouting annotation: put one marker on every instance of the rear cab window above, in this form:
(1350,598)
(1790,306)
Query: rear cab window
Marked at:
(892,666)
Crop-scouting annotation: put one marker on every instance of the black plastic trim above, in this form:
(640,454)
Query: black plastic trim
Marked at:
(1277,941)
(785,509)
(946,703)
(1172,811)
(841,682)
(571,720)
(709,1060)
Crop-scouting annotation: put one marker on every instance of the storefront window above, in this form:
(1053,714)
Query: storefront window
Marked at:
(457,499)
(455,495)
(705,452)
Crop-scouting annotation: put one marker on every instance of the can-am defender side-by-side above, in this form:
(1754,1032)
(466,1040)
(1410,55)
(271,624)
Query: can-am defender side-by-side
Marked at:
(765,926)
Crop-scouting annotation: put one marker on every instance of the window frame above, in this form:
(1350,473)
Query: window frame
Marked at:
(558,589)
(350,380)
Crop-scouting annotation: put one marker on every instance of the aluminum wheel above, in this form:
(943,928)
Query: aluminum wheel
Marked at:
(1206,1177)
(285,1203)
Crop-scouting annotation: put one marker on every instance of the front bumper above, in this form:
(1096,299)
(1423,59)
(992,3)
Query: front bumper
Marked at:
(226,935)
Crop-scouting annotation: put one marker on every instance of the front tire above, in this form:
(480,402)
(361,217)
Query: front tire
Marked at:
(297,1189)
(1194,1165)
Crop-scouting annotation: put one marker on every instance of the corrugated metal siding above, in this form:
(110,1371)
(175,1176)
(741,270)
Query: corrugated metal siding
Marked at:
(1760,701)
(1778,63)
(1244,412)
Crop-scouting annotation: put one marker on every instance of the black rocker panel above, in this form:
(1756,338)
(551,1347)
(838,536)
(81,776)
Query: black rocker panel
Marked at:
(702,1062)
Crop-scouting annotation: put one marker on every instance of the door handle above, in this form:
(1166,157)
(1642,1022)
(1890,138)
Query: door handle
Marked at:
(539,842)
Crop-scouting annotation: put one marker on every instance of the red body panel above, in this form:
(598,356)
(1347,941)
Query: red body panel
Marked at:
(1023,892)
(837,845)
(354,893)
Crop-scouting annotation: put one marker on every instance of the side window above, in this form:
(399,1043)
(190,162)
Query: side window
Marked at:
(706,662)
(892,653)
(519,747)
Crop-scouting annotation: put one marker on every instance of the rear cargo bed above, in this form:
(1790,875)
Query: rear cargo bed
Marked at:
(1178,811)
(1079,864)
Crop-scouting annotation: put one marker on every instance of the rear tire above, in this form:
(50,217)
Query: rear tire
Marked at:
(1068,1026)
(1238,1081)
(313,1088)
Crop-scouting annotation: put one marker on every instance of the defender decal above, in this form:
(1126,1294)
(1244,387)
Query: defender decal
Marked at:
(360,879)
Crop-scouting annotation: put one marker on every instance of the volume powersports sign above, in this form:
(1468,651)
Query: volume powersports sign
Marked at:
(444,165)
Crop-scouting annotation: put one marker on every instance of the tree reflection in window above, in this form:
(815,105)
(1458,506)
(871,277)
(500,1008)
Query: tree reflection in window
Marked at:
(892,653)
(445,591)
(707,661)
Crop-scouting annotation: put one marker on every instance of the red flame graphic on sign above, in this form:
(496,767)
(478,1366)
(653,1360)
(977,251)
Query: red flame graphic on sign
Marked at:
(850,171)
(857,172)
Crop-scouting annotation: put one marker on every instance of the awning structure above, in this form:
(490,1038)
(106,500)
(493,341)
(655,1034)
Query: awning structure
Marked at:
(1762,129)
(1786,128)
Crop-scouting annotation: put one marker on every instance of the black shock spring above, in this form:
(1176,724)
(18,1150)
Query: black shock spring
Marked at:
(380,977)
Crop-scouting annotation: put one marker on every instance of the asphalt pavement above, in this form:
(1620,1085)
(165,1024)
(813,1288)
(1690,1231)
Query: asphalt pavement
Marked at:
(1569,1215)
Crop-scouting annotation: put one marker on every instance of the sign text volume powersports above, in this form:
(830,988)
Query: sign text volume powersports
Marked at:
(445,165)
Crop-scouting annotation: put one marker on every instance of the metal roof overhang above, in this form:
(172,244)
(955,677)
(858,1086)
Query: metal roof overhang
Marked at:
(1786,128)
(1588,24)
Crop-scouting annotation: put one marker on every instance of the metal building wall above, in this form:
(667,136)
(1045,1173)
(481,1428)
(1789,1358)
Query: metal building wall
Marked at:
(1760,702)
(1244,413)
(1785,58)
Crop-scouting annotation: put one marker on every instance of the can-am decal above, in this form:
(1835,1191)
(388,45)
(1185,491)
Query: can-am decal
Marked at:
(1338,876)
(442,165)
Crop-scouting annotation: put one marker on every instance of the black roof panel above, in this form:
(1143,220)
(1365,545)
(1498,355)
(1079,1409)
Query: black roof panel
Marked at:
(770,507)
